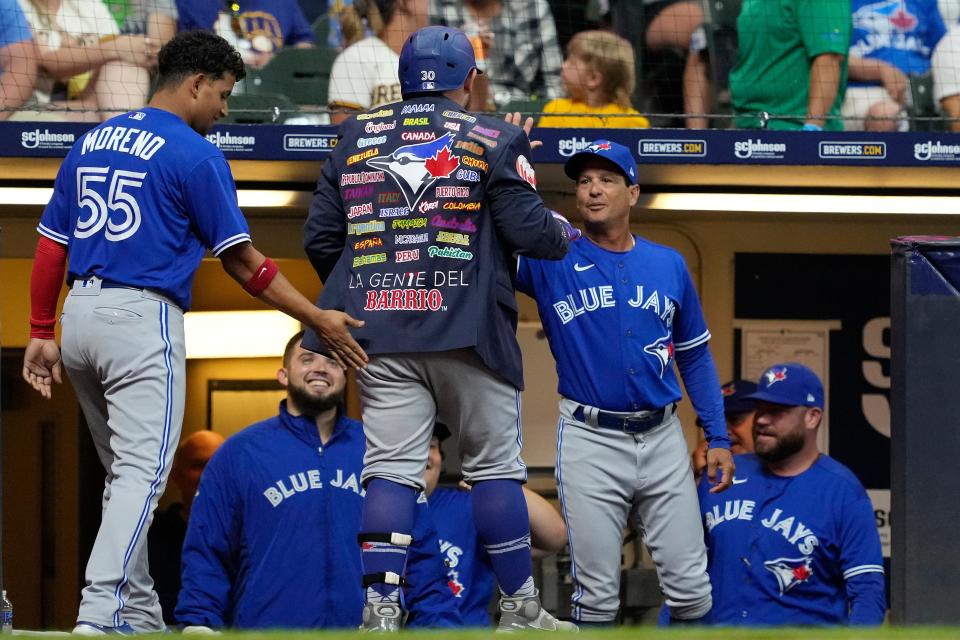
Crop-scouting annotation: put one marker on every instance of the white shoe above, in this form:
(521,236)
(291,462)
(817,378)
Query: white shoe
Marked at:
(522,613)
(84,628)
(385,617)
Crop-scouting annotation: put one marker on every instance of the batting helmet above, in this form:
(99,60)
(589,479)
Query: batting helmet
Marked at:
(435,59)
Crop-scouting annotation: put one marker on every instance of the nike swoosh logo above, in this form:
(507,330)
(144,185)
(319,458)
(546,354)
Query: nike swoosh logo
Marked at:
(262,271)
(739,480)
(577,267)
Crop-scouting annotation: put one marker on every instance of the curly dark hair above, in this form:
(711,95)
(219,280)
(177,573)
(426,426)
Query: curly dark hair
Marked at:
(197,52)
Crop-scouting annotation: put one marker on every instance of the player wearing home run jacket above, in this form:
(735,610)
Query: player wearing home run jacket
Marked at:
(794,541)
(617,310)
(416,218)
(272,538)
(137,203)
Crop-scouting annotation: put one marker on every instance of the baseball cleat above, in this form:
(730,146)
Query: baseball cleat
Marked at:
(84,628)
(385,617)
(523,613)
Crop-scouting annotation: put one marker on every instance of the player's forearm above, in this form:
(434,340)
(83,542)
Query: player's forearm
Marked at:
(548,535)
(46,280)
(703,386)
(824,85)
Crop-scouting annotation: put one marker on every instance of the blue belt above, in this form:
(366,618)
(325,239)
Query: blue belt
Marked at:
(627,424)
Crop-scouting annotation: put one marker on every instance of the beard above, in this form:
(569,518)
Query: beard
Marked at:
(311,403)
(782,448)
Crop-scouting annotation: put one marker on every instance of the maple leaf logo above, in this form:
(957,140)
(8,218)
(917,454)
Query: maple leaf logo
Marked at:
(443,164)
(455,587)
(801,573)
(903,20)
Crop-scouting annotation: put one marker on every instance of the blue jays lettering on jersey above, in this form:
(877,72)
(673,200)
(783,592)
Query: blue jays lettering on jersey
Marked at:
(793,550)
(136,190)
(618,316)
(272,537)
(280,20)
(416,216)
(470,574)
(902,33)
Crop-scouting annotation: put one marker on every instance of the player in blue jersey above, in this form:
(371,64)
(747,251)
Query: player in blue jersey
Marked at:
(413,227)
(136,204)
(617,310)
(794,541)
(470,574)
(272,539)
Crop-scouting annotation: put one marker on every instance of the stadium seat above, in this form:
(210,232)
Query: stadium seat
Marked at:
(921,108)
(259,108)
(321,29)
(302,75)
(525,107)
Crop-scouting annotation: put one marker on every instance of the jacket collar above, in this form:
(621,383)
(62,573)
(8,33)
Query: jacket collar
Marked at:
(305,428)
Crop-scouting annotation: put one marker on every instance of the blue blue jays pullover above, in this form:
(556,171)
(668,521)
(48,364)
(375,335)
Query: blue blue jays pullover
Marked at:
(272,538)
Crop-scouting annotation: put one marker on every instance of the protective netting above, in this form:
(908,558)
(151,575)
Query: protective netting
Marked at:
(882,65)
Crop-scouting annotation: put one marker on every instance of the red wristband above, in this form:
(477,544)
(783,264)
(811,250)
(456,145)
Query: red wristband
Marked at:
(46,279)
(261,278)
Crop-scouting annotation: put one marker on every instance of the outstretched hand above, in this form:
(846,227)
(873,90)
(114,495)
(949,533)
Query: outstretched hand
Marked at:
(332,327)
(41,366)
(722,460)
(515,119)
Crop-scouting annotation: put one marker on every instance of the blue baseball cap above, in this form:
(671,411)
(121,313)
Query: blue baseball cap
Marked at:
(736,396)
(613,152)
(790,384)
(435,59)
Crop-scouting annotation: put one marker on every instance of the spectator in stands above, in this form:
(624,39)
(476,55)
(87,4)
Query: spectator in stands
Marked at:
(946,76)
(89,68)
(18,58)
(364,75)
(515,43)
(890,40)
(257,29)
(792,66)
(470,574)
(598,76)
(165,540)
(272,538)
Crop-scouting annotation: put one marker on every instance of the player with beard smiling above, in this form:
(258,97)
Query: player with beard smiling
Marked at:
(793,541)
(272,538)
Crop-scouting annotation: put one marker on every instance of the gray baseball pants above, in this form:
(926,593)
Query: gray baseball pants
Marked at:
(123,350)
(607,479)
(403,396)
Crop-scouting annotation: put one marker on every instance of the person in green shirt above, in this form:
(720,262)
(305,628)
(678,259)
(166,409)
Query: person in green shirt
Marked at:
(792,64)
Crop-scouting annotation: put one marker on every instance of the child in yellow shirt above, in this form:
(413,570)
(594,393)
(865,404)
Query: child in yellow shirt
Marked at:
(598,75)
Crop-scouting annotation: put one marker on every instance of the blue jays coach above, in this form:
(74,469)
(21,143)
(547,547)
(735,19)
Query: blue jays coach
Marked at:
(414,226)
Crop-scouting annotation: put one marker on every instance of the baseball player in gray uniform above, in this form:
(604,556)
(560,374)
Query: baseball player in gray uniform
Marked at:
(136,204)
(617,310)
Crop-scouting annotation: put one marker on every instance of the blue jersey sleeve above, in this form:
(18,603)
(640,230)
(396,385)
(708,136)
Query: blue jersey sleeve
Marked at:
(211,200)
(524,279)
(703,386)
(55,221)
(210,548)
(13,24)
(689,326)
(299,30)
(428,598)
(861,560)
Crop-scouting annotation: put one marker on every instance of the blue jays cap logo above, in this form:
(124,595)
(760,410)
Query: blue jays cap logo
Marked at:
(662,350)
(599,146)
(415,167)
(789,572)
(774,374)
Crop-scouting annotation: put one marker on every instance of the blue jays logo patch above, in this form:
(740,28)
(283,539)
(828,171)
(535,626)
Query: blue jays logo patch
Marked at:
(774,374)
(789,572)
(662,350)
(416,167)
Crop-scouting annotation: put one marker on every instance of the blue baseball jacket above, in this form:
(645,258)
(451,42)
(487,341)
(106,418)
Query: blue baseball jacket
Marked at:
(413,227)
(272,538)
